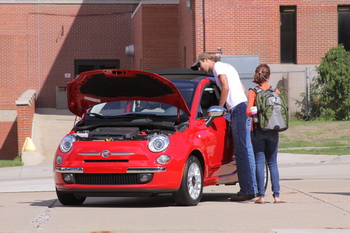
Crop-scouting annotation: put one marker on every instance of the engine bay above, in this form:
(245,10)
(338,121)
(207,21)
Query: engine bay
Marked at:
(119,134)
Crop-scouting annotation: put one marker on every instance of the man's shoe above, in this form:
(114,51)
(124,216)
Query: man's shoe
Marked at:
(242,197)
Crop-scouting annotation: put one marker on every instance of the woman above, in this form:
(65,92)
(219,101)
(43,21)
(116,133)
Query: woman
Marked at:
(265,143)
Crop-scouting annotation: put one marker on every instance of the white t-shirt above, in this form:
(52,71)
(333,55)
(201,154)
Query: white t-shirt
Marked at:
(236,94)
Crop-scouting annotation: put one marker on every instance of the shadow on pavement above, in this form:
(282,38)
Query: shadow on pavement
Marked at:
(332,193)
(163,200)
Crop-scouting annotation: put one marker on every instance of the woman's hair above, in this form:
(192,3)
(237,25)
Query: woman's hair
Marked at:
(262,74)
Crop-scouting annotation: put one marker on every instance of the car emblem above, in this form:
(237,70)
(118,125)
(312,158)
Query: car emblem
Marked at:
(105,153)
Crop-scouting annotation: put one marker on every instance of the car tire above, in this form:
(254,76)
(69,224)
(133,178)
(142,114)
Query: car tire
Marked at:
(191,189)
(69,198)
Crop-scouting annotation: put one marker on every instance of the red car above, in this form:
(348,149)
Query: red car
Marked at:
(142,134)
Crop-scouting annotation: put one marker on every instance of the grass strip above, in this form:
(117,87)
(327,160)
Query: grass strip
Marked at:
(11,163)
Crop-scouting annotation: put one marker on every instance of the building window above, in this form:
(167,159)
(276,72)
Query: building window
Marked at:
(344,26)
(86,65)
(288,34)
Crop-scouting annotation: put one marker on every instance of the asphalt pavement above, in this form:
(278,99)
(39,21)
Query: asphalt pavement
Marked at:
(50,125)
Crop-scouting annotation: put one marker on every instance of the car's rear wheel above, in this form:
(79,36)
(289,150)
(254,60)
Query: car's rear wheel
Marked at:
(191,189)
(69,198)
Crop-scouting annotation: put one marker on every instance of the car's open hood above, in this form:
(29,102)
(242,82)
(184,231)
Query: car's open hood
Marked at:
(99,86)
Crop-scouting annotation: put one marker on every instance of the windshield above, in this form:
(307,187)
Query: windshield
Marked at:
(132,108)
(136,107)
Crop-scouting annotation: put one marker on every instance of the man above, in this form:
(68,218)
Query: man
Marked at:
(234,97)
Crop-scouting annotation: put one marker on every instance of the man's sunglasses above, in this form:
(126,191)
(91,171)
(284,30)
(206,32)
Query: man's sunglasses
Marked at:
(196,67)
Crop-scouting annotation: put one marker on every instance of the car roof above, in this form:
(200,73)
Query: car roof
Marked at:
(184,74)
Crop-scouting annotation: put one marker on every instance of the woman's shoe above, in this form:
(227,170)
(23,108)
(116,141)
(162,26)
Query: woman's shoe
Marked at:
(278,201)
(260,201)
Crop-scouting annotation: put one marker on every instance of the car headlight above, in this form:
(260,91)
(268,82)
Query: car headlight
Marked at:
(67,143)
(158,143)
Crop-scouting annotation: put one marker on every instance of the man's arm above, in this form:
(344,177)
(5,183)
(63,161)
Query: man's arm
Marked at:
(245,90)
(224,89)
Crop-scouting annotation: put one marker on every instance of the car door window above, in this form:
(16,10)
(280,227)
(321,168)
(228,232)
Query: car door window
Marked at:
(210,97)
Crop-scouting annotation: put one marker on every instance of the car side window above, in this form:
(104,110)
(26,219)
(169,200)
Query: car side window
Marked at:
(210,97)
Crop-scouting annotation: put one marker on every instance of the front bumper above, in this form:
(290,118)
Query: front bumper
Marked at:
(83,168)
(129,170)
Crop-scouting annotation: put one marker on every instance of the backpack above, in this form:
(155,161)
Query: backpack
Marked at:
(272,110)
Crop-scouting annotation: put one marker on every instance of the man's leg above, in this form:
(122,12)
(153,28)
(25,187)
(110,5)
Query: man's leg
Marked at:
(244,153)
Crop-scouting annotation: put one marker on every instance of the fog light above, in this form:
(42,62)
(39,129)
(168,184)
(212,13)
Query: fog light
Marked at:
(145,178)
(163,159)
(69,178)
(59,159)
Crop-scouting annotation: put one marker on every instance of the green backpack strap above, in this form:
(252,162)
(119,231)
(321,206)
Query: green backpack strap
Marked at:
(256,89)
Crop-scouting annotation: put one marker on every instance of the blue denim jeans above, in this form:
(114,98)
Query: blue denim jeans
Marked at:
(265,146)
(243,149)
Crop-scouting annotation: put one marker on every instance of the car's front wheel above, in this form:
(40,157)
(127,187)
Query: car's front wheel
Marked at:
(69,198)
(191,189)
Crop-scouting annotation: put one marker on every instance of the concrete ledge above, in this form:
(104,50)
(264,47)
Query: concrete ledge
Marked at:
(8,115)
(26,98)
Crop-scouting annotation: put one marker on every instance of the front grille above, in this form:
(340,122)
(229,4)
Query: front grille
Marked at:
(105,161)
(108,179)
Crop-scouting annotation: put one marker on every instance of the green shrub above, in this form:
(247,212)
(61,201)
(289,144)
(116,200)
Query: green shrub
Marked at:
(331,90)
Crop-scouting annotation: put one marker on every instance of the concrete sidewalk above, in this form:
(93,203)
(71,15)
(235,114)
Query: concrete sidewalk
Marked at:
(36,178)
(317,196)
(49,127)
(40,177)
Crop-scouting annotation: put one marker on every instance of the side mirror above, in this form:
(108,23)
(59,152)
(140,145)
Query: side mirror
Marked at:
(213,112)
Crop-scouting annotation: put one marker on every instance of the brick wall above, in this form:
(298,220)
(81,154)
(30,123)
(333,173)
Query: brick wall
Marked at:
(25,114)
(8,140)
(39,44)
(16,125)
(186,35)
(253,27)
(137,38)
(159,31)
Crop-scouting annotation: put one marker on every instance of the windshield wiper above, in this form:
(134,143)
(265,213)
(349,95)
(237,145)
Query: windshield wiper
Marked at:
(121,116)
(134,114)
(96,115)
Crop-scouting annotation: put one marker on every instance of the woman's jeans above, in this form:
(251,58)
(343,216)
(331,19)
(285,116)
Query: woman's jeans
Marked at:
(243,149)
(265,146)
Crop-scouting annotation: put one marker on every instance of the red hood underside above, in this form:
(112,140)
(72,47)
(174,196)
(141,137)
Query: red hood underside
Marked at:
(99,86)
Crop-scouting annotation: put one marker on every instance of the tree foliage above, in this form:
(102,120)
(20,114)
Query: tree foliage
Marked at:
(332,85)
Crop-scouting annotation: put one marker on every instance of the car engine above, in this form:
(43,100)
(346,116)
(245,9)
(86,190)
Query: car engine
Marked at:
(118,134)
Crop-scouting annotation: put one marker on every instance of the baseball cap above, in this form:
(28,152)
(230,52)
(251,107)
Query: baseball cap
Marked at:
(201,56)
